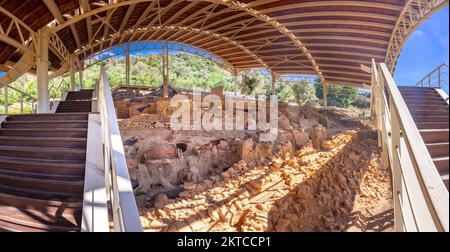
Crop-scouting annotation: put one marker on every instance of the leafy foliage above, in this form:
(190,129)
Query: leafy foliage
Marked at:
(338,96)
(187,71)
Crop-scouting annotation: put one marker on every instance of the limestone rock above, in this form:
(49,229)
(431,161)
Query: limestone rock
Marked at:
(341,179)
(318,135)
(132,164)
(301,138)
(165,151)
(160,201)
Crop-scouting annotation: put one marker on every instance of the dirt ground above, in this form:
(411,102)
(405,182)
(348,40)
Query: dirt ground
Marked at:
(342,188)
(323,173)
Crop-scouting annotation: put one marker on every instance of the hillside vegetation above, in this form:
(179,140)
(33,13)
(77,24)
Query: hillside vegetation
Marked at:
(187,71)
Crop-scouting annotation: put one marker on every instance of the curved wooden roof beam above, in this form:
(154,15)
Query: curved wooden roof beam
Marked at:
(413,15)
(234,5)
(177,29)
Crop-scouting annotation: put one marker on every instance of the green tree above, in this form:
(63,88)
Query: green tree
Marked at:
(338,95)
(304,91)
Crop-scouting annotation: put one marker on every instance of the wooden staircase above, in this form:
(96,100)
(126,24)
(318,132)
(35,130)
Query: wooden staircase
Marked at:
(431,114)
(76,101)
(42,163)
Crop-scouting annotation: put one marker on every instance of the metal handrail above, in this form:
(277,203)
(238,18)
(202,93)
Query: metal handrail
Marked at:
(423,202)
(22,95)
(125,212)
(441,71)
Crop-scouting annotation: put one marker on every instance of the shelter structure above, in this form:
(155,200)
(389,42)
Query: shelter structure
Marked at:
(354,42)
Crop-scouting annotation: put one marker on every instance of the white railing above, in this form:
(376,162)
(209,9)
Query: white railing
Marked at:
(22,102)
(438,78)
(118,185)
(421,201)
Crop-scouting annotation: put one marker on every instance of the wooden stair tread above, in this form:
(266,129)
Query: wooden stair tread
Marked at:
(41,195)
(41,149)
(50,139)
(35,220)
(41,176)
(46,122)
(43,162)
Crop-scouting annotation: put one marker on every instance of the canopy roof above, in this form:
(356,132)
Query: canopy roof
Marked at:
(328,38)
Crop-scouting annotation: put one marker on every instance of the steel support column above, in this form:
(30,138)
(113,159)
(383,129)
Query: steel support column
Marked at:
(43,103)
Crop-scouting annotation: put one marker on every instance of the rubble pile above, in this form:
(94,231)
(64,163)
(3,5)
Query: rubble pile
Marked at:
(322,173)
(308,190)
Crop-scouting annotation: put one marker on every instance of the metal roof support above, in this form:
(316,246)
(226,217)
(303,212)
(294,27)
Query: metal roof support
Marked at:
(42,65)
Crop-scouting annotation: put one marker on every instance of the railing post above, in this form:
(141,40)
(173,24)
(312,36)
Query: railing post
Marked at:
(5,99)
(439,77)
(21,104)
(397,193)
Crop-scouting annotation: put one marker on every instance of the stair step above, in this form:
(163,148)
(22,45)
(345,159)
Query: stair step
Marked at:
(420,118)
(18,219)
(63,142)
(39,132)
(419,94)
(429,112)
(442,164)
(44,185)
(42,195)
(432,125)
(434,136)
(438,149)
(424,102)
(43,166)
(46,124)
(442,107)
(69,110)
(43,176)
(44,153)
(51,206)
(51,117)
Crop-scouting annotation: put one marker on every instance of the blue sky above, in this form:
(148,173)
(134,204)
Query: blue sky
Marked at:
(427,48)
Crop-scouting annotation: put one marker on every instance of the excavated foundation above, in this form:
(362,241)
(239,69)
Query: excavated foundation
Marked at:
(322,173)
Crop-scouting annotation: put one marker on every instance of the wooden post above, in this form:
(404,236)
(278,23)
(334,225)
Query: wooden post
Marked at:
(166,69)
(81,74)
(127,66)
(274,81)
(21,104)
(5,98)
(325,94)
(43,105)
(235,81)
(72,74)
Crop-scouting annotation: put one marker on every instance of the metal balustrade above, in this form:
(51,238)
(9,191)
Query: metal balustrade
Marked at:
(421,201)
(20,104)
(118,186)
